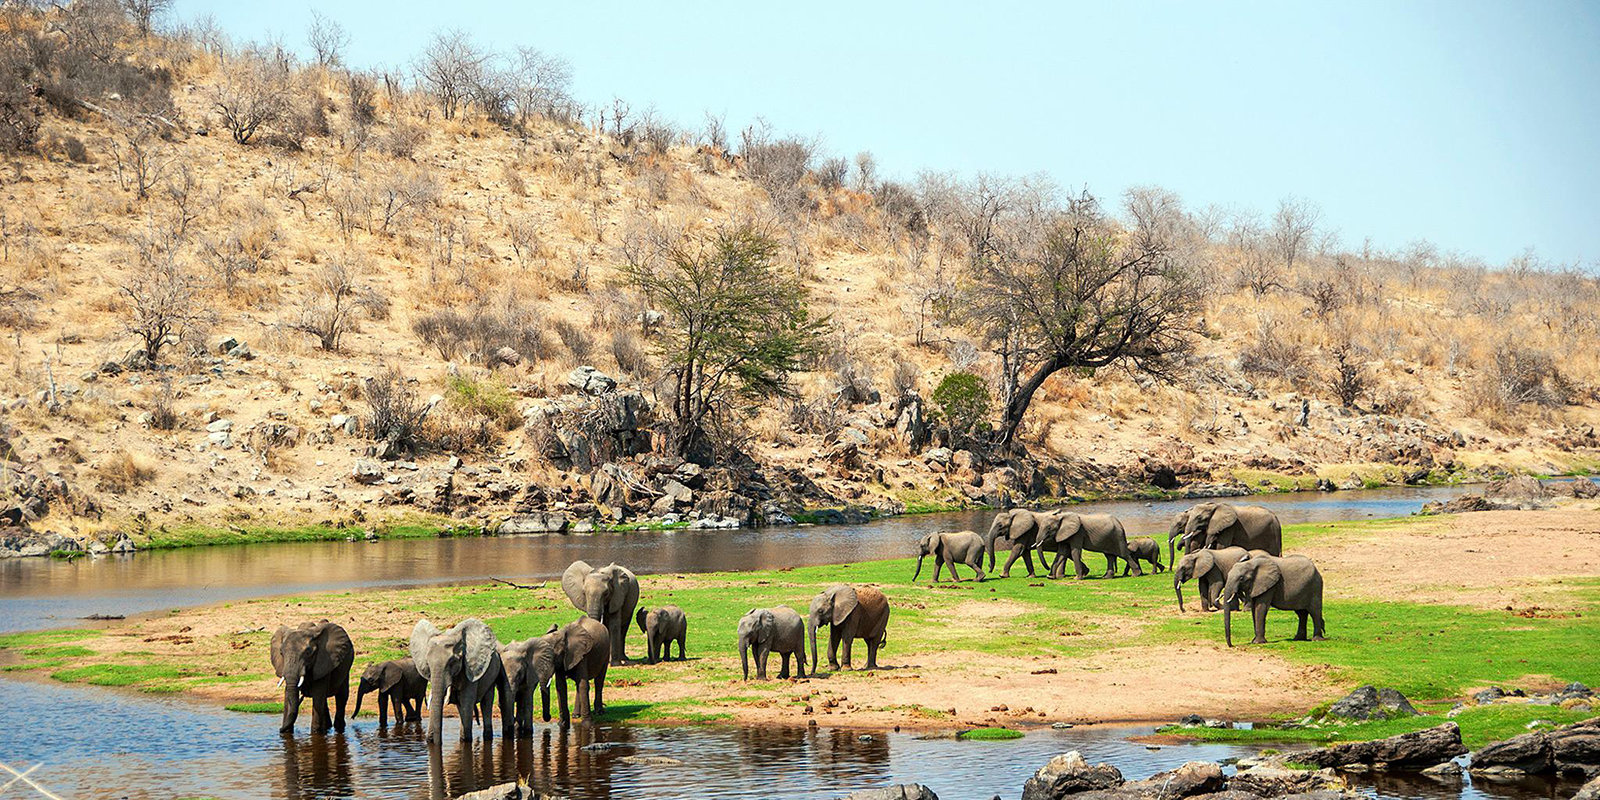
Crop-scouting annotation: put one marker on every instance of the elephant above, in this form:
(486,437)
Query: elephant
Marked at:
(529,663)
(1214,525)
(1180,522)
(948,549)
(1016,530)
(607,595)
(313,659)
(1291,583)
(661,628)
(772,630)
(463,662)
(398,684)
(1210,569)
(1144,548)
(1097,533)
(850,614)
(582,653)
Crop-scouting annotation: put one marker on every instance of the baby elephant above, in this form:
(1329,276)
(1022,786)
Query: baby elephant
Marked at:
(949,549)
(772,630)
(399,686)
(1291,583)
(661,628)
(1143,548)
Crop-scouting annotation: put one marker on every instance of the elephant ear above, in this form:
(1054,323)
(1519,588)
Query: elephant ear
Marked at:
(421,635)
(276,649)
(1178,523)
(844,602)
(624,589)
(1225,517)
(642,616)
(572,582)
(478,647)
(1204,561)
(1068,527)
(333,649)
(1267,576)
(576,643)
(1021,521)
(393,673)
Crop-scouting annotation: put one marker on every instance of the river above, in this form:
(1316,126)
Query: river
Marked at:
(42,592)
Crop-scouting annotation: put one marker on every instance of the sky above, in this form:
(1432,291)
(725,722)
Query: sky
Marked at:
(1474,125)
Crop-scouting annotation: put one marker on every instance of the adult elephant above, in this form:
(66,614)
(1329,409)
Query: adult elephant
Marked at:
(313,659)
(1016,530)
(463,662)
(1209,568)
(1097,533)
(1291,583)
(1209,526)
(850,614)
(1180,523)
(772,630)
(529,663)
(398,684)
(948,549)
(582,652)
(607,595)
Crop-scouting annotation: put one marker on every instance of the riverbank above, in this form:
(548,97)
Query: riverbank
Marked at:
(1436,607)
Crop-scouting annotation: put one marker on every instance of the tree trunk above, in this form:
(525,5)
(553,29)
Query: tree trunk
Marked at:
(1018,406)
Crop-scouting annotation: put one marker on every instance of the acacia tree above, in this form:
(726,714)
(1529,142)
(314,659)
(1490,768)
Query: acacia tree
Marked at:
(736,324)
(1072,289)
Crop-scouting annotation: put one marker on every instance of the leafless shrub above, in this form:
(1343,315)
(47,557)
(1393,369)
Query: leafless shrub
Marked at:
(522,232)
(252,93)
(160,295)
(779,165)
(332,304)
(483,330)
(831,173)
(1518,376)
(904,377)
(1257,270)
(140,155)
(248,243)
(351,201)
(1324,295)
(1270,354)
(360,98)
(450,68)
(629,353)
(327,39)
(819,418)
(396,413)
(1349,380)
(1293,229)
(402,139)
(19,117)
(163,415)
(577,340)
(405,193)
(539,85)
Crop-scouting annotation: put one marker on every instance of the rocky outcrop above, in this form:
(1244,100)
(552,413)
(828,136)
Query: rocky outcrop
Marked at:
(1368,702)
(1580,487)
(1571,748)
(1590,790)
(904,791)
(1415,750)
(1519,487)
(1071,776)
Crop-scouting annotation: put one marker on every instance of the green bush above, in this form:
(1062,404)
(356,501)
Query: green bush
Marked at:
(963,402)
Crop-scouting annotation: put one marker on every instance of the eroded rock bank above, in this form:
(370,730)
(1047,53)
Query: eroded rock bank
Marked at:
(1070,776)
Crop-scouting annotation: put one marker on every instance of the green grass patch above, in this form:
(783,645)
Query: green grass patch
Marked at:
(117,674)
(1480,725)
(58,651)
(255,708)
(198,535)
(989,734)
(13,641)
(67,555)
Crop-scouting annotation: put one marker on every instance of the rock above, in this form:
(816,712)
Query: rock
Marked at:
(904,791)
(226,344)
(591,381)
(1489,695)
(1580,487)
(344,422)
(653,761)
(242,352)
(536,522)
(939,455)
(123,544)
(1520,487)
(219,426)
(1069,774)
(367,472)
(1446,770)
(505,356)
(1195,777)
(1269,781)
(504,791)
(1408,750)
(601,746)
(1060,726)
(909,425)
(676,493)
(1463,505)
(1570,748)
(1369,703)
(97,548)
(1589,791)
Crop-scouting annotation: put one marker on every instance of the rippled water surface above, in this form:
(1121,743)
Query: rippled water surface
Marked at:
(114,744)
(40,592)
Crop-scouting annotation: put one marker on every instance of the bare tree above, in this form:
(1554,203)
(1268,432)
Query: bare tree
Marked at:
(327,38)
(450,68)
(1071,289)
(331,307)
(1349,379)
(160,294)
(540,83)
(145,13)
(253,92)
(866,171)
(1293,229)
(141,157)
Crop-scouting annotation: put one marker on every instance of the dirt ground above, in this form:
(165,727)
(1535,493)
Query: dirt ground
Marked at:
(1481,559)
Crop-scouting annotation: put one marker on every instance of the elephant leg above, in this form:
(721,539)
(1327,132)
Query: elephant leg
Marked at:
(384,701)
(761,665)
(1316,622)
(1208,594)
(1111,566)
(954,576)
(1079,571)
(1016,553)
(800,663)
(938,564)
(561,697)
(1300,632)
(783,671)
(977,566)
(319,709)
(1260,613)
(466,704)
(681,640)
(872,653)
(583,701)
(486,715)
(599,692)
(833,648)
(1133,564)
(847,641)
(1027,560)
(341,696)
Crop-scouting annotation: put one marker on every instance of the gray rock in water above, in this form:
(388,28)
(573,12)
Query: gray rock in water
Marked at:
(1368,702)
(537,522)
(904,791)
(1590,790)
(1409,750)
(1070,774)
(505,791)
(1571,748)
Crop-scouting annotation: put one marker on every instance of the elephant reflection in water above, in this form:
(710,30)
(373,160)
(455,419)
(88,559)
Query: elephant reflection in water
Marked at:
(851,748)
(469,766)
(318,767)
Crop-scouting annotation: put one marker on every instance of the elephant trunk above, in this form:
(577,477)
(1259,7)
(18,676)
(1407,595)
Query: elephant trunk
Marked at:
(291,701)
(1227,623)
(544,699)
(436,693)
(1177,586)
(744,655)
(361,691)
(595,607)
(919,567)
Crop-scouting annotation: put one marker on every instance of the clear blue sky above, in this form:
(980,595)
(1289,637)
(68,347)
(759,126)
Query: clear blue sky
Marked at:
(1473,124)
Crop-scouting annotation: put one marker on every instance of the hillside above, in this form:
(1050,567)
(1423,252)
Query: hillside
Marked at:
(478,256)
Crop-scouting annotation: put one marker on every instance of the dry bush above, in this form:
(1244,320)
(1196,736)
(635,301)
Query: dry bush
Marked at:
(1270,354)
(249,242)
(1349,379)
(122,472)
(402,195)
(253,93)
(904,377)
(779,165)
(402,139)
(577,340)
(333,303)
(161,294)
(163,415)
(630,354)
(1518,376)
(396,413)
(480,332)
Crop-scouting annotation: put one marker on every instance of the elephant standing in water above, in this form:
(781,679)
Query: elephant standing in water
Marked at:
(1214,525)
(772,630)
(1291,583)
(1017,530)
(1210,569)
(1097,533)
(313,659)
(947,549)
(608,595)
(661,628)
(529,663)
(850,614)
(398,684)
(463,662)
(582,652)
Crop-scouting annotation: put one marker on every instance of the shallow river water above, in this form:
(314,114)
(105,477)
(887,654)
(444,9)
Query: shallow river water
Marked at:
(41,592)
(98,743)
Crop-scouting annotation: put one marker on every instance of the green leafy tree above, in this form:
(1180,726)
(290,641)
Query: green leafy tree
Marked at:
(736,324)
(963,401)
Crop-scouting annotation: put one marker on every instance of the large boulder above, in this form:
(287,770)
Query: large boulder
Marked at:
(1415,750)
(1580,487)
(1070,774)
(1520,487)
(1368,702)
(589,380)
(1571,748)
(904,791)
(536,522)
(1590,790)
(505,791)
(1193,778)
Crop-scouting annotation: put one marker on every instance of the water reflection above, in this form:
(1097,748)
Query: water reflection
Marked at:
(41,592)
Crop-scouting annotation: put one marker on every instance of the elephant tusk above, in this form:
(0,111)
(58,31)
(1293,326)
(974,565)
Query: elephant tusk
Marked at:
(280,682)
(301,682)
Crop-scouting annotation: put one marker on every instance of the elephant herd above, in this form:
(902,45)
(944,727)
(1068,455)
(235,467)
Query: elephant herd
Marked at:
(1234,552)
